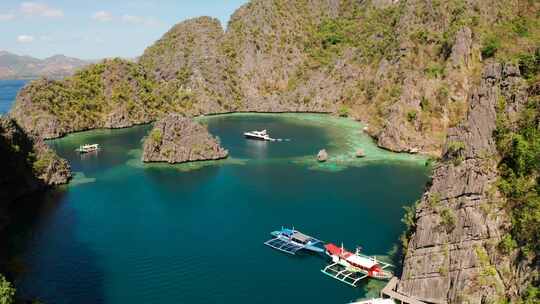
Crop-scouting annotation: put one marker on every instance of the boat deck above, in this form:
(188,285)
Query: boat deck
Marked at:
(282,245)
(293,242)
(340,273)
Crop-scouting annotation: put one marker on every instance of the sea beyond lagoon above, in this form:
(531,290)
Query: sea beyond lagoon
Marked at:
(123,231)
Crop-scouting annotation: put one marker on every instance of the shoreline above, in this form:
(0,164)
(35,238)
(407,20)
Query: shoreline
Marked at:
(202,117)
(345,135)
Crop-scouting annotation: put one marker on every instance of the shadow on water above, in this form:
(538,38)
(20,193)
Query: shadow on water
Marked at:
(38,274)
(169,178)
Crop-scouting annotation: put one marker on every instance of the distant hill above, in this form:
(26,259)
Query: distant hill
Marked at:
(14,66)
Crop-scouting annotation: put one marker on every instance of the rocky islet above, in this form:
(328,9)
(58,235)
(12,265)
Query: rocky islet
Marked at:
(177,139)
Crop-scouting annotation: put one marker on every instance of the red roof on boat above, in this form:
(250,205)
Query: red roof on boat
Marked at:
(354,259)
(335,250)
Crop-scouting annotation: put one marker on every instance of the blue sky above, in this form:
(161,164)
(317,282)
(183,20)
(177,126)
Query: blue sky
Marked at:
(94,29)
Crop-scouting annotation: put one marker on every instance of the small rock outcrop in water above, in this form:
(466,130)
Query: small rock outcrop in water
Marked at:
(177,139)
(27,164)
(322,156)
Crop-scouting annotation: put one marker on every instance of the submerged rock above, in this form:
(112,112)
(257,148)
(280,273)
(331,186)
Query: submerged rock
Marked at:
(322,156)
(177,139)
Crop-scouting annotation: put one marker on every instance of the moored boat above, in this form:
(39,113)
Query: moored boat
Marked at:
(259,135)
(291,241)
(358,263)
(88,148)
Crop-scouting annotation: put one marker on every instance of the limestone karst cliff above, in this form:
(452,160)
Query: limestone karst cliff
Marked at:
(27,164)
(111,94)
(191,68)
(403,67)
(454,254)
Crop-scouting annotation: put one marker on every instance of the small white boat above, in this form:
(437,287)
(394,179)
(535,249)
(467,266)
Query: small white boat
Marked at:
(88,148)
(259,135)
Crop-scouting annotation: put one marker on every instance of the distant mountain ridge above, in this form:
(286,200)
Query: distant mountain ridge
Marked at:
(14,66)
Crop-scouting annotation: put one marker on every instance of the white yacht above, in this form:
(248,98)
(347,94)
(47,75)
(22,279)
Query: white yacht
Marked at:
(260,135)
(88,148)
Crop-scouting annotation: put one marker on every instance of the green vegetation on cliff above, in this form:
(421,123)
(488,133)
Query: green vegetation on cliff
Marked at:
(520,181)
(193,69)
(7,292)
(519,144)
(113,93)
(371,30)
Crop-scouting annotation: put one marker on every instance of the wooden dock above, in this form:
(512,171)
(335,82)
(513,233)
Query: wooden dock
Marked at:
(389,291)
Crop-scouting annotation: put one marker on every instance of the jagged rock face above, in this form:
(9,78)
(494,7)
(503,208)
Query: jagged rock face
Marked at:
(192,57)
(177,139)
(452,256)
(27,164)
(462,48)
(400,133)
(270,38)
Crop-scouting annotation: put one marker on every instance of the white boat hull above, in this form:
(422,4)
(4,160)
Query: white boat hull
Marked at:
(256,137)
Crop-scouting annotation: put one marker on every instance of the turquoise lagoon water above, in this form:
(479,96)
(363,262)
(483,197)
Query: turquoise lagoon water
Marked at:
(127,232)
(124,232)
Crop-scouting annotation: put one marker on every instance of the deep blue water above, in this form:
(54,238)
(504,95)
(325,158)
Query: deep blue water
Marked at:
(123,232)
(8,92)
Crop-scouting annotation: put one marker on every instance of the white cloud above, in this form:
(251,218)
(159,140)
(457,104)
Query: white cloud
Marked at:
(7,17)
(40,9)
(25,39)
(102,16)
(149,21)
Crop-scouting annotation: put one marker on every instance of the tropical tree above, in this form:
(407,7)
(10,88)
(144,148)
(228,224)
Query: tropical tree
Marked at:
(7,292)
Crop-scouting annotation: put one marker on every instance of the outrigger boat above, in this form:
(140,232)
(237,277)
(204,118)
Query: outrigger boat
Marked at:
(291,241)
(88,148)
(259,135)
(351,268)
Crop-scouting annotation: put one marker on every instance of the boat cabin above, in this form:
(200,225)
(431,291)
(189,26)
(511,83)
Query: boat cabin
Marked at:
(300,237)
(88,148)
(367,264)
